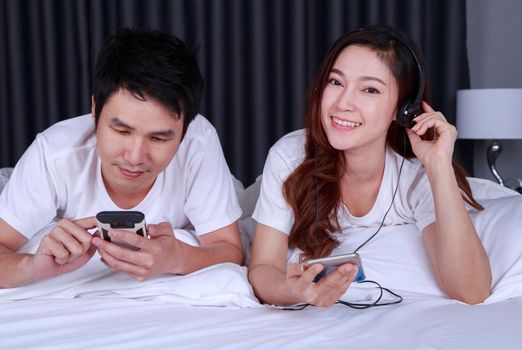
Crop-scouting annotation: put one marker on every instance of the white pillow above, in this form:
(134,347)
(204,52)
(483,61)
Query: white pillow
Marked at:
(487,189)
(500,229)
(247,226)
(5,173)
(398,260)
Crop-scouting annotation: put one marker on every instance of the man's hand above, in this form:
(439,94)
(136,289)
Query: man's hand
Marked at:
(153,256)
(66,248)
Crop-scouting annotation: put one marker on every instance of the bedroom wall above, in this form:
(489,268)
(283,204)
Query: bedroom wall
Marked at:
(494,55)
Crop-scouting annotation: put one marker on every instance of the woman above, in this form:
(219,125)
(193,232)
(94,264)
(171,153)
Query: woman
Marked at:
(346,168)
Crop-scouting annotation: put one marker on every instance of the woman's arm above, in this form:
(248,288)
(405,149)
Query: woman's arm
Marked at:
(267,268)
(277,283)
(458,256)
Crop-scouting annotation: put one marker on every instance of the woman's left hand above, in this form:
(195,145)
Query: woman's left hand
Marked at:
(441,147)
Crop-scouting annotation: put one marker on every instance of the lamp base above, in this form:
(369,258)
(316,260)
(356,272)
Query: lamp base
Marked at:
(514,183)
(494,150)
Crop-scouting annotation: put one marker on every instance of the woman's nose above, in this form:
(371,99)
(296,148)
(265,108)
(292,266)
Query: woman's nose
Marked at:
(345,99)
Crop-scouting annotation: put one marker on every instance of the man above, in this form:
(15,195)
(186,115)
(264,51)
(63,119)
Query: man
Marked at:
(144,148)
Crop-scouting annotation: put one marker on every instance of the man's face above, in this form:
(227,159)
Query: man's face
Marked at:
(136,140)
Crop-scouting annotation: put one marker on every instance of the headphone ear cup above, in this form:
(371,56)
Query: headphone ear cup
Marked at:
(406,113)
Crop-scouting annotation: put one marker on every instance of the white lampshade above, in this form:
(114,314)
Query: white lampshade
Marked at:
(489,114)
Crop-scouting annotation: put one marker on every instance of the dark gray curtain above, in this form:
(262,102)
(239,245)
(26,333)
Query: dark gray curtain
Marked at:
(257,57)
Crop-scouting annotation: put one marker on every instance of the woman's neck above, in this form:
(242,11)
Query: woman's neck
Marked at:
(362,180)
(364,166)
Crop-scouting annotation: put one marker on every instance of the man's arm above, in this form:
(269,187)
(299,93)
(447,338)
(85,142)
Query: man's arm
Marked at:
(163,253)
(222,245)
(66,248)
(12,265)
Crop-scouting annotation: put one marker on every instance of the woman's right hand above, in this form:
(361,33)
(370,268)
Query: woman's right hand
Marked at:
(326,291)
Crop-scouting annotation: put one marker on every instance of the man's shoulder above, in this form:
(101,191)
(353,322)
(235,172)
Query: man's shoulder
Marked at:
(200,126)
(201,132)
(69,134)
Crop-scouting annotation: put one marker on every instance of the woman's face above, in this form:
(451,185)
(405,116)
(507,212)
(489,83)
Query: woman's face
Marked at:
(359,101)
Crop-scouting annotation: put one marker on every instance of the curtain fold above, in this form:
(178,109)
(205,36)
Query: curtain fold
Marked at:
(257,57)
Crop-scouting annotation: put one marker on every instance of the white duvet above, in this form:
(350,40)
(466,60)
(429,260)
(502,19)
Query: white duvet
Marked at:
(396,258)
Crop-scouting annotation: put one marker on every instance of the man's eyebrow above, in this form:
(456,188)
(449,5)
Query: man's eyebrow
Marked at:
(161,133)
(362,78)
(118,122)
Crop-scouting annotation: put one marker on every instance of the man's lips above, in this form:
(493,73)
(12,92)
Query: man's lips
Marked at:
(130,174)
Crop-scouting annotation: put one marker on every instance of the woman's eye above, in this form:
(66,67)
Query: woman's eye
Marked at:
(335,82)
(371,90)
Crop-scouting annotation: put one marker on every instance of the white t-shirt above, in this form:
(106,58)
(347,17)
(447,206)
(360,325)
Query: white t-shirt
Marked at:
(413,203)
(59,176)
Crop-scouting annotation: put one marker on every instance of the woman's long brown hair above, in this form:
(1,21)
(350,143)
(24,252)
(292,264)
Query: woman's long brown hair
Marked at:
(313,189)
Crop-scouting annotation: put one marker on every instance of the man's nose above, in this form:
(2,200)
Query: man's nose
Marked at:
(137,151)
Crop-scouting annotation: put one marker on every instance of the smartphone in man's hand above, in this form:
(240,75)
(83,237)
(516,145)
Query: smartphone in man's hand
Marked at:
(133,221)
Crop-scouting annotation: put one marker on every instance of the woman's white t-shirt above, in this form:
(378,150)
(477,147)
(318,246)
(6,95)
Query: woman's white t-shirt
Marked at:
(413,203)
(59,176)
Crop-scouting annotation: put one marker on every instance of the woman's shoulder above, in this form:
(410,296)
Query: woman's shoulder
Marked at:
(290,148)
(411,171)
(411,165)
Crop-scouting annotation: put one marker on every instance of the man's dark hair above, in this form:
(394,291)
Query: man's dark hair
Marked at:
(149,64)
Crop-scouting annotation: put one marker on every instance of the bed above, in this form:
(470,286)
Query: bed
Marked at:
(215,308)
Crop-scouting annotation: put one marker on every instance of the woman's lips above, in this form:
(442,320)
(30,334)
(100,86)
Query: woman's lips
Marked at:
(344,124)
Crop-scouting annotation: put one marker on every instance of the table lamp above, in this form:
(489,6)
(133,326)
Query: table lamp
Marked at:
(493,114)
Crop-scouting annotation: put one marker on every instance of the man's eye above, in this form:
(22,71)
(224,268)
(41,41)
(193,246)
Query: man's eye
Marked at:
(122,132)
(158,139)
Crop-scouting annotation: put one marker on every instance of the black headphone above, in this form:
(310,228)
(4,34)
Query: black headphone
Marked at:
(411,108)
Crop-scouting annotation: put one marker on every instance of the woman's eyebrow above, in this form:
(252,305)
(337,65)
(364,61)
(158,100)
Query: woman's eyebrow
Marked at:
(362,78)
(372,78)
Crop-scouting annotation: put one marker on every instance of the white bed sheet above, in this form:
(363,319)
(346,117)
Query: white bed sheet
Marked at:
(420,322)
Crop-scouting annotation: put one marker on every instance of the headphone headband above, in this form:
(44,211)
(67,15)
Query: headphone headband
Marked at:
(411,108)
(420,71)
